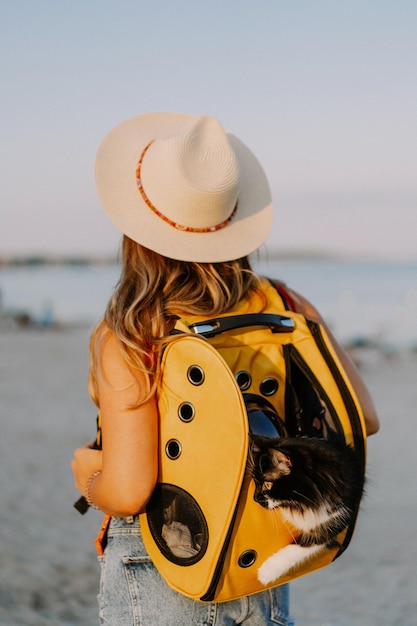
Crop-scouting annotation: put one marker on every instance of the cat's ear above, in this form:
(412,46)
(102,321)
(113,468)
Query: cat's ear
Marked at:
(282,463)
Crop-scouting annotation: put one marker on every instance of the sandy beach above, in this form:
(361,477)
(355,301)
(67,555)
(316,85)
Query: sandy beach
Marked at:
(49,574)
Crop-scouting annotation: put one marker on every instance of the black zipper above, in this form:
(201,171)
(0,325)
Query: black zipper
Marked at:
(357,430)
(209,595)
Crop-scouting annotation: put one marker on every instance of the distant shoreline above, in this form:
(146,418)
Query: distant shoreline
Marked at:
(262,256)
(58,261)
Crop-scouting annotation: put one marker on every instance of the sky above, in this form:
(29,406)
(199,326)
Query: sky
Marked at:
(323,91)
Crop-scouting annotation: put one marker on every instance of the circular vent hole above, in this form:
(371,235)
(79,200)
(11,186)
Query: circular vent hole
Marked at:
(247,558)
(195,375)
(173,449)
(243,379)
(186,412)
(269,386)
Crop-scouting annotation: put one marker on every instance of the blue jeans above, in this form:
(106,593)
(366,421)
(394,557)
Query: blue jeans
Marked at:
(133,593)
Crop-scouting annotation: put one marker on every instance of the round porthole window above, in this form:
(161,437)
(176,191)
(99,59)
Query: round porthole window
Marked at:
(177,524)
(262,417)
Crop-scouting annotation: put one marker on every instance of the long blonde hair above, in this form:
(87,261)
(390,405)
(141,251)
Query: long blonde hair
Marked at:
(153,290)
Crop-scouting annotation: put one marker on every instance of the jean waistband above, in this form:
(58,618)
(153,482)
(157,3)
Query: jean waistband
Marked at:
(124,526)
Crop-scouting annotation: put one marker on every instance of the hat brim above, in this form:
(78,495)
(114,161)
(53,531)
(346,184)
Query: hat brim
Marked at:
(116,164)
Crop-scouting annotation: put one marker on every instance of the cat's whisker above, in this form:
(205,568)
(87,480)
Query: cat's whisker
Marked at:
(278,520)
(310,506)
(298,493)
(287,527)
(250,462)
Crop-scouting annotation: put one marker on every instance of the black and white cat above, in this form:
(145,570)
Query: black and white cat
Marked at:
(316,484)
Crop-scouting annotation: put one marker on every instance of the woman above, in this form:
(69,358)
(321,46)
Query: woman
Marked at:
(193,203)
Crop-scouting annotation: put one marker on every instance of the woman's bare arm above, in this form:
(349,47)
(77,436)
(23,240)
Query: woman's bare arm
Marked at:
(129,457)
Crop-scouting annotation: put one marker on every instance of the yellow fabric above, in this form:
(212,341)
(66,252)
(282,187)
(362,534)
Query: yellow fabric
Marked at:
(214,446)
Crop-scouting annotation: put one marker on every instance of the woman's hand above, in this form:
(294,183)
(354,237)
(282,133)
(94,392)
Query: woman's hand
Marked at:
(85,463)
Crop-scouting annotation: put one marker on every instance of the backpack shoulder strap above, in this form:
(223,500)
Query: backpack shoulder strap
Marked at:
(287,300)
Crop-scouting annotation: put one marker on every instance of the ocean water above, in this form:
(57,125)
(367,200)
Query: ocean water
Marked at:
(361,301)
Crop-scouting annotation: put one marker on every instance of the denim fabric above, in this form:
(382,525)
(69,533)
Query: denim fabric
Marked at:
(132,592)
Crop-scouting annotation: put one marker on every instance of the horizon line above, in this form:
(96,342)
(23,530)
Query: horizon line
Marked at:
(263,255)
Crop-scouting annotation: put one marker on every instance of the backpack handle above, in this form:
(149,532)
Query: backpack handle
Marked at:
(277,323)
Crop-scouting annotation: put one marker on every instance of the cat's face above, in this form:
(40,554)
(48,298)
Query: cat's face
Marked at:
(303,473)
(268,466)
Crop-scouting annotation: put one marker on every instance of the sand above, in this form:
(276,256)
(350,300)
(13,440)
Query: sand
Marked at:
(48,568)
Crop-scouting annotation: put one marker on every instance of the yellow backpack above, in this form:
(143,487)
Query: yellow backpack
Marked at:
(202,528)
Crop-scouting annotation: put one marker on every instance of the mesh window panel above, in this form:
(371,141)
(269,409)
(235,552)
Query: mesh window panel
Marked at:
(177,525)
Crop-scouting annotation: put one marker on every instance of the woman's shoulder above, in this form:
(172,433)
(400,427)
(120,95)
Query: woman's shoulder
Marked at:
(109,358)
(105,341)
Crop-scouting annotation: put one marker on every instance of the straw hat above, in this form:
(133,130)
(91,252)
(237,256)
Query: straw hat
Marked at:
(184,187)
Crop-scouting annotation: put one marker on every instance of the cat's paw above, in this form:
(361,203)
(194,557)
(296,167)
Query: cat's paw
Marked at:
(283,561)
(269,572)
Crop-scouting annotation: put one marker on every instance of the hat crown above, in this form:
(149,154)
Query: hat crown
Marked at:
(191,174)
(184,187)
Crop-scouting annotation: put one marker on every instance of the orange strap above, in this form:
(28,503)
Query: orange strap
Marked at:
(101,539)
